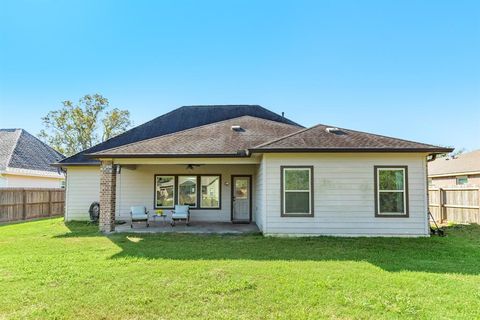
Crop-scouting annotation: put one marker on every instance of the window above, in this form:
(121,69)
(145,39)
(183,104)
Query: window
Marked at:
(164,191)
(187,191)
(183,189)
(462,180)
(391,191)
(210,197)
(297,191)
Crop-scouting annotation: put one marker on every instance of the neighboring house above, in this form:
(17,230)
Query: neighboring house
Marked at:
(25,161)
(461,170)
(248,164)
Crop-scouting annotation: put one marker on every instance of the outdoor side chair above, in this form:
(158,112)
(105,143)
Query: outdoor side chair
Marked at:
(138,213)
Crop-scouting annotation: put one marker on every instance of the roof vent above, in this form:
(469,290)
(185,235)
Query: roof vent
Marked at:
(334,130)
(237,128)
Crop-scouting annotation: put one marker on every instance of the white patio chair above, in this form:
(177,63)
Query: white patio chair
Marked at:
(138,213)
(181,213)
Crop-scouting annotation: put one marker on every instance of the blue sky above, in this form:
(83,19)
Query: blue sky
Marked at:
(409,69)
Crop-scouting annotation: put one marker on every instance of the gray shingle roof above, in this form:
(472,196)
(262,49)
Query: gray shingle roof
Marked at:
(208,140)
(183,118)
(319,139)
(463,163)
(260,135)
(19,149)
(8,141)
(169,135)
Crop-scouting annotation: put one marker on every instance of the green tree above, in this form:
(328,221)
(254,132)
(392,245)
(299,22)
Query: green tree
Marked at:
(79,126)
(452,154)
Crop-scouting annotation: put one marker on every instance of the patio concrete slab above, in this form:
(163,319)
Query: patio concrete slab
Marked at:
(194,228)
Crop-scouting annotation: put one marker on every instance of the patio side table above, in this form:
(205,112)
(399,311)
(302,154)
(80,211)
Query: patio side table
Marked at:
(163,216)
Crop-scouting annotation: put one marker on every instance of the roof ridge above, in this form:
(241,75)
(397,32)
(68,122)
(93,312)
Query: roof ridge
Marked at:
(10,129)
(14,146)
(291,122)
(221,105)
(194,128)
(345,129)
(285,137)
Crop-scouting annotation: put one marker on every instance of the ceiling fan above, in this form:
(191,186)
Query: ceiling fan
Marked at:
(192,166)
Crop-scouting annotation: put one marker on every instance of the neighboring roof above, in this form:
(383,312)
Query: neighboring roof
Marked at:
(216,139)
(8,140)
(319,139)
(20,150)
(463,163)
(183,118)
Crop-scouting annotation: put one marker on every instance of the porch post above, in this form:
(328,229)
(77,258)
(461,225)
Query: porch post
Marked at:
(108,180)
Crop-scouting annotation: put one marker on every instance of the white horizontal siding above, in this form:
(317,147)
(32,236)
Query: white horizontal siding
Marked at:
(3,181)
(82,188)
(344,195)
(20,181)
(136,187)
(260,193)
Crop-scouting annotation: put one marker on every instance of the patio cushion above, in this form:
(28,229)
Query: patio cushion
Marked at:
(139,216)
(180,212)
(138,213)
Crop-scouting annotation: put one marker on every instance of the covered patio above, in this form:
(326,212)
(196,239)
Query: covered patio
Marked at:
(219,192)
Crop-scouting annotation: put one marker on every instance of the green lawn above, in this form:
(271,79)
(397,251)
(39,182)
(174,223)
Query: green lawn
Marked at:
(52,270)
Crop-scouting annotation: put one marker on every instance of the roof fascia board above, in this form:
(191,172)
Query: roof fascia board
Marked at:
(453,174)
(343,150)
(176,155)
(184,161)
(76,164)
(34,173)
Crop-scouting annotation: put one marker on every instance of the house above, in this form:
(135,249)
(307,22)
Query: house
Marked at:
(460,170)
(26,161)
(246,164)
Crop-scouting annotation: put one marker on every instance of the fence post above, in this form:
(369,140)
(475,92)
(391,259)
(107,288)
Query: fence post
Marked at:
(441,207)
(24,204)
(49,203)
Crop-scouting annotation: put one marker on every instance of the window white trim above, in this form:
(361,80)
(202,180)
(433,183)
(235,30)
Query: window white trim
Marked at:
(284,191)
(404,190)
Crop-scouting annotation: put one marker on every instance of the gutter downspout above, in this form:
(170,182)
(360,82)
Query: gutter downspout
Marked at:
(427,225)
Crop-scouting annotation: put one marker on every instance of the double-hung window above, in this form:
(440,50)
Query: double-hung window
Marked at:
(391,191)
(297,191)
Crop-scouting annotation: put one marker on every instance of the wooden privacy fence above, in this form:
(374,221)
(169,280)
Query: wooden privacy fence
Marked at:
(29,203)
(455,204)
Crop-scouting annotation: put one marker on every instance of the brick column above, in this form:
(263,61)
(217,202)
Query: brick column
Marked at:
(108,181)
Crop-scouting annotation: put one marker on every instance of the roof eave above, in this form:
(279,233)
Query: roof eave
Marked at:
(74,164)
(176,155)
(343,150)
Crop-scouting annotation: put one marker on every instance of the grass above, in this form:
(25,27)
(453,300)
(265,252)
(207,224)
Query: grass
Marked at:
(52,270)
